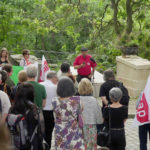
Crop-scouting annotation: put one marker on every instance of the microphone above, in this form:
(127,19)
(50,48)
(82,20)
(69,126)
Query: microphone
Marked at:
(92,59)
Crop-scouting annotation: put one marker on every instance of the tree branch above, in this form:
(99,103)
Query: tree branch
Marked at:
(101,27)
(115,15)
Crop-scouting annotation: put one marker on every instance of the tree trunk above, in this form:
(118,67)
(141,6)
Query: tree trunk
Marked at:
(129,16)
(115,15)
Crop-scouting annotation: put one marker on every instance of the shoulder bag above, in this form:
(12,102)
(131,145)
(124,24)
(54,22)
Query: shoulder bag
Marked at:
(104,135)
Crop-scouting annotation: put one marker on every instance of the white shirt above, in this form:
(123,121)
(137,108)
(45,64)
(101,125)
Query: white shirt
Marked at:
(51,93)
(5,102)
(23,62)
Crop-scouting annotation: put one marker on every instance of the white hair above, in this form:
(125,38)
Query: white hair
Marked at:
(31,71)
(51,74)
(115,94)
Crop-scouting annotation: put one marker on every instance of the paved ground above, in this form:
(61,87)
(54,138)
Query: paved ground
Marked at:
(132,139)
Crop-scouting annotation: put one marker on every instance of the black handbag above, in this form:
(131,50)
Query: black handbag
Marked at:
(103,136)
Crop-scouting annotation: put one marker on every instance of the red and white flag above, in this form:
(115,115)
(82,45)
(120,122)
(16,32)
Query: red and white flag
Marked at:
(44,69)
(143,111)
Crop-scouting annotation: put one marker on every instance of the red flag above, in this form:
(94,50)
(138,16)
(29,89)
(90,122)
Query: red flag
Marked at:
(143,111)
(44,69)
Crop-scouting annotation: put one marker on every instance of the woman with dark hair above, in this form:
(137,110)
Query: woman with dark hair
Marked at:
(25,60)
(65,72)
(23,104)
(68,134)
(4,56)
(24,95)
(3,85)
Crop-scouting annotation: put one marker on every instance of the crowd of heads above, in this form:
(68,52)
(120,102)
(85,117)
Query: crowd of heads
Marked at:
(24,92)
(84,88)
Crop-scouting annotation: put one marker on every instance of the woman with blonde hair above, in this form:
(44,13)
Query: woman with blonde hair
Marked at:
(4,56)
(92,114)
(22,77)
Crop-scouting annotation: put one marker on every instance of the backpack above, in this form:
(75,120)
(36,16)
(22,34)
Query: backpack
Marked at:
(18,129)
(17,124)
(125,95)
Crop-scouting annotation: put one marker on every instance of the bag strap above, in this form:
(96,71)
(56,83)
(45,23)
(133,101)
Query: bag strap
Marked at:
(71,112)
(77,121)
(72,115)
(109,110)
(79,107)
(37,127)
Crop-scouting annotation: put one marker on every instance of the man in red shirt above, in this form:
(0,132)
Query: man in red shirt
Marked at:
(83,63)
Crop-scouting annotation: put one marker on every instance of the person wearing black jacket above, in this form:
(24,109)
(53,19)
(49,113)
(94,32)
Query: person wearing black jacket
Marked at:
(109,83)
(118,114)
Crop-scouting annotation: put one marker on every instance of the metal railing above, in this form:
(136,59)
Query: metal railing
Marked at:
(52,56)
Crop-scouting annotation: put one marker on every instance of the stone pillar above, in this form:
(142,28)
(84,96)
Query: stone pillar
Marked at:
(133,71)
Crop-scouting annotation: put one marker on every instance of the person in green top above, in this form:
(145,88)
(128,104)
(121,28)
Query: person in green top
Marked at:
(39,90)
(9,71)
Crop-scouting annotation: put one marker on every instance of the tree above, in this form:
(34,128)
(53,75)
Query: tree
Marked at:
(67,25)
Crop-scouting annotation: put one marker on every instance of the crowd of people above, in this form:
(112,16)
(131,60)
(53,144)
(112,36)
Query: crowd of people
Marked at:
(62,108)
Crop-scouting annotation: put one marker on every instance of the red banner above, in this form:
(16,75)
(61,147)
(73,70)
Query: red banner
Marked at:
(143,110)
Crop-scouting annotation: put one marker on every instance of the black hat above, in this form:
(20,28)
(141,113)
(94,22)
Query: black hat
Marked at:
(84,49)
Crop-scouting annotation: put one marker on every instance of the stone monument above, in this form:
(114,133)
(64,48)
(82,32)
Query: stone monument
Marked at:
(133,71)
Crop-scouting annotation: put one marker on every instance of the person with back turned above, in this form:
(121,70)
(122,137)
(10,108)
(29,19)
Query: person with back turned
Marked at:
(50,86)
(83,63)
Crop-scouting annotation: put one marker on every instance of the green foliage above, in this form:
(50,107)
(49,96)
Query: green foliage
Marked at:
(67,25)
(106,58)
